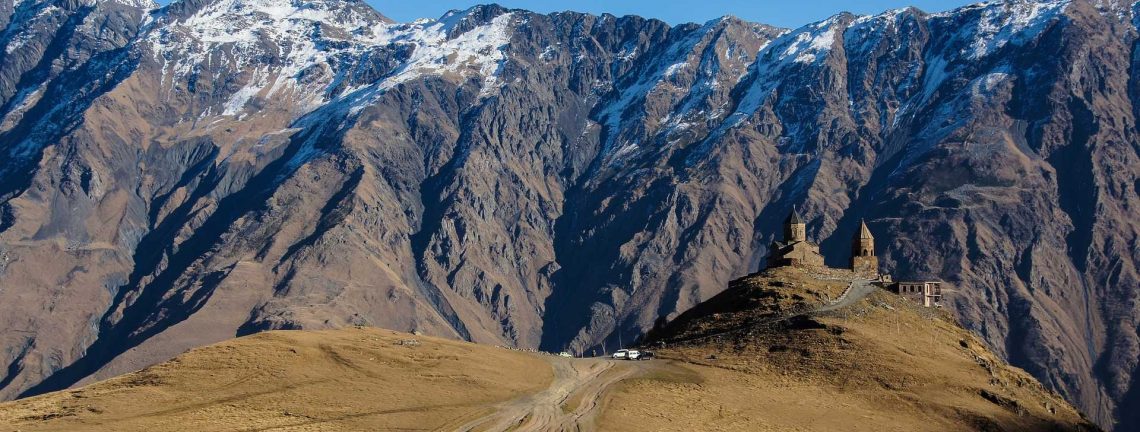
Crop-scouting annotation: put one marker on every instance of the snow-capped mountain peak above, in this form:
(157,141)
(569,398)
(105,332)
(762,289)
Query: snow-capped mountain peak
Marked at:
(141,4)
(985,28)
(479,49)
(307,48)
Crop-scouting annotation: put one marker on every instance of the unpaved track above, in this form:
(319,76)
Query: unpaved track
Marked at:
(571,403)
(858,289)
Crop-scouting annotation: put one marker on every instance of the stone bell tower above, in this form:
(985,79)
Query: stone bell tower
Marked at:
(863,259)
(795,230)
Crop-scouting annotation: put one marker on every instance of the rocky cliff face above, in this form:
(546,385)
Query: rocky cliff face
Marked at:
(177,176)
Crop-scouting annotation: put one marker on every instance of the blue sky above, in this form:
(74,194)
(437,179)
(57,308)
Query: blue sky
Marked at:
(782,13)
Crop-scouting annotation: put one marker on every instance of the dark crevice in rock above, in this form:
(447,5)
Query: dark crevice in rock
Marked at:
(7,217)
(1023,346)
(201,160)
(591,261)
(1076,185)
(974,251)
(17,365)
(437,198)
(338,207)
(566,293)
(1024,265)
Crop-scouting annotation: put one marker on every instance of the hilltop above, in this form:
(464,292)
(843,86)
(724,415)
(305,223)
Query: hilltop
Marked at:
(770,359)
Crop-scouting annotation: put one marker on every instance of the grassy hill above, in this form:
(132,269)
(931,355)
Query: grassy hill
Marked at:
(353,379)
(883,363)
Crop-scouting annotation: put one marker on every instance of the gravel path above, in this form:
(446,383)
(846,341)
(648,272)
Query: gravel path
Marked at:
(858,289)
(570,403)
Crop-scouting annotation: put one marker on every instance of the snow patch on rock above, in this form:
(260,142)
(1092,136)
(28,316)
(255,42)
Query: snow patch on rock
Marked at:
(480,50)
(1003,23)
(300,49)
(812,43)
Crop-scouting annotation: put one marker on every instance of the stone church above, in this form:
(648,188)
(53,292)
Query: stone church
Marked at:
(796,251)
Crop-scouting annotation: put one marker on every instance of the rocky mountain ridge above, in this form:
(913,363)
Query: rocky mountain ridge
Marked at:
(176,176)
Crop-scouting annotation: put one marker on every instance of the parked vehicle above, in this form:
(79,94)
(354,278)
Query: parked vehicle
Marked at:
(645,355)
(633,355)
(621,355)
(564,354)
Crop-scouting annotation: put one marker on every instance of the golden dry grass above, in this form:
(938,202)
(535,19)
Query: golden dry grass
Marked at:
(354,379)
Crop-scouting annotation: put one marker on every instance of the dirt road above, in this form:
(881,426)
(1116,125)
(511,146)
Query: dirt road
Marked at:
(571,403)
(858,289)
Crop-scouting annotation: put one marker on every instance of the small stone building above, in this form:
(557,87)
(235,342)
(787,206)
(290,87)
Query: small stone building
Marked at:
(927,293)
(863,259)
(795,250)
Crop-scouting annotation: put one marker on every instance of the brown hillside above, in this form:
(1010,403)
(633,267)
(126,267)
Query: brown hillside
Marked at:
(883,363)
(357,379)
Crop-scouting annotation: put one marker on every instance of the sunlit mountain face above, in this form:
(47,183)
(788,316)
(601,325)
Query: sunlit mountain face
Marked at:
(175,176)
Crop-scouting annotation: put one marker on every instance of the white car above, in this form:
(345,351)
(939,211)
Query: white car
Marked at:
(621,355)
(633,355)
(565,354)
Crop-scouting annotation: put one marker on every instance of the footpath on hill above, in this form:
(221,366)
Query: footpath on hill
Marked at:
(571,403)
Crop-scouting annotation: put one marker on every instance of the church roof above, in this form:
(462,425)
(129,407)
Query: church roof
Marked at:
(864,232)
(781,245)
(794,218)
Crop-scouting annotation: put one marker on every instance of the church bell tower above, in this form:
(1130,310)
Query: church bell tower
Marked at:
(863,259)
(795,230)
